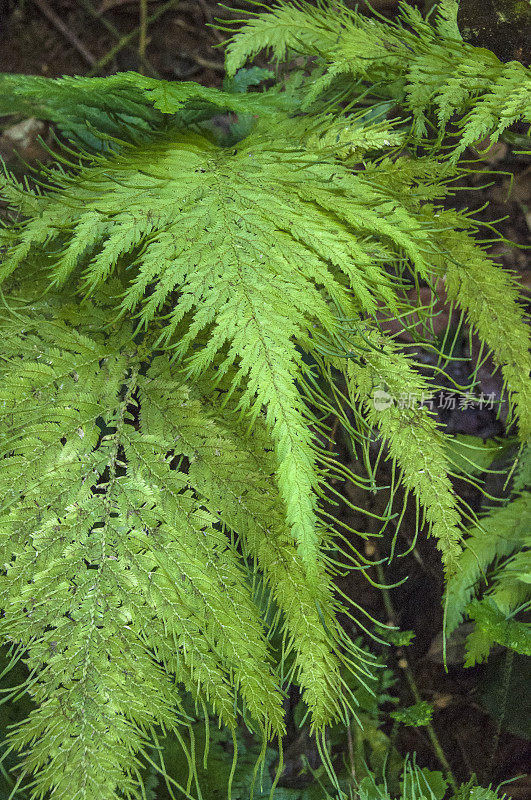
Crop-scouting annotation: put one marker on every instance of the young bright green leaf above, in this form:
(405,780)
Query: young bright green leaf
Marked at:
(414,716)
(492,625)
(473,455)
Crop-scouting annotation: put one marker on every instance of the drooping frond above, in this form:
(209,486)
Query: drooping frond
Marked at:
(497,547)
(395,400)
(112,106)
(124,568)
(489,296)
(118,576)
(232,471)
(424,66)
(127,106)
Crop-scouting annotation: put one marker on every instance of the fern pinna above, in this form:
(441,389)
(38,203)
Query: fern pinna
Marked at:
(182,309)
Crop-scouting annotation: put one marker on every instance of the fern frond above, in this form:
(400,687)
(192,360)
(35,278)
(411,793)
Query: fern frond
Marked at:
(489,296)
(99,113)
(114,566)
(493,106)
(122,577)
(113,106)
(257,304)
(380,384)
(294,26)
(187,99)
(232,471)
(498,535)
(426,67)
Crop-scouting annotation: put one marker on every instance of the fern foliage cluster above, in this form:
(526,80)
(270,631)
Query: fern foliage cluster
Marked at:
(185,312)
(497,559)
(424,66)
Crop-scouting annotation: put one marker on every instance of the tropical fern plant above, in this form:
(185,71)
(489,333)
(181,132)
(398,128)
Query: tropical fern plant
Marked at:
(185,312)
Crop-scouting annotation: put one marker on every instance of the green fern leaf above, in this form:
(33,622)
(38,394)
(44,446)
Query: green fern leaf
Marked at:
(257,301)
(425,66)
(415,444)
(112,106)
(231,471)
(493,626)
(127,571)
(490,298)
(160,481)
(498,535)
(283,29)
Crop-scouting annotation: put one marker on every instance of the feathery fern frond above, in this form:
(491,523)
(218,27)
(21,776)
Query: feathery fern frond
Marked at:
(178,298)
(489,296)
(497,536)
(381,383)
(113,106)
(502,534)
(232,472)
(425,67)
(120,477)
(97,112)
(266,246)
(114,564)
